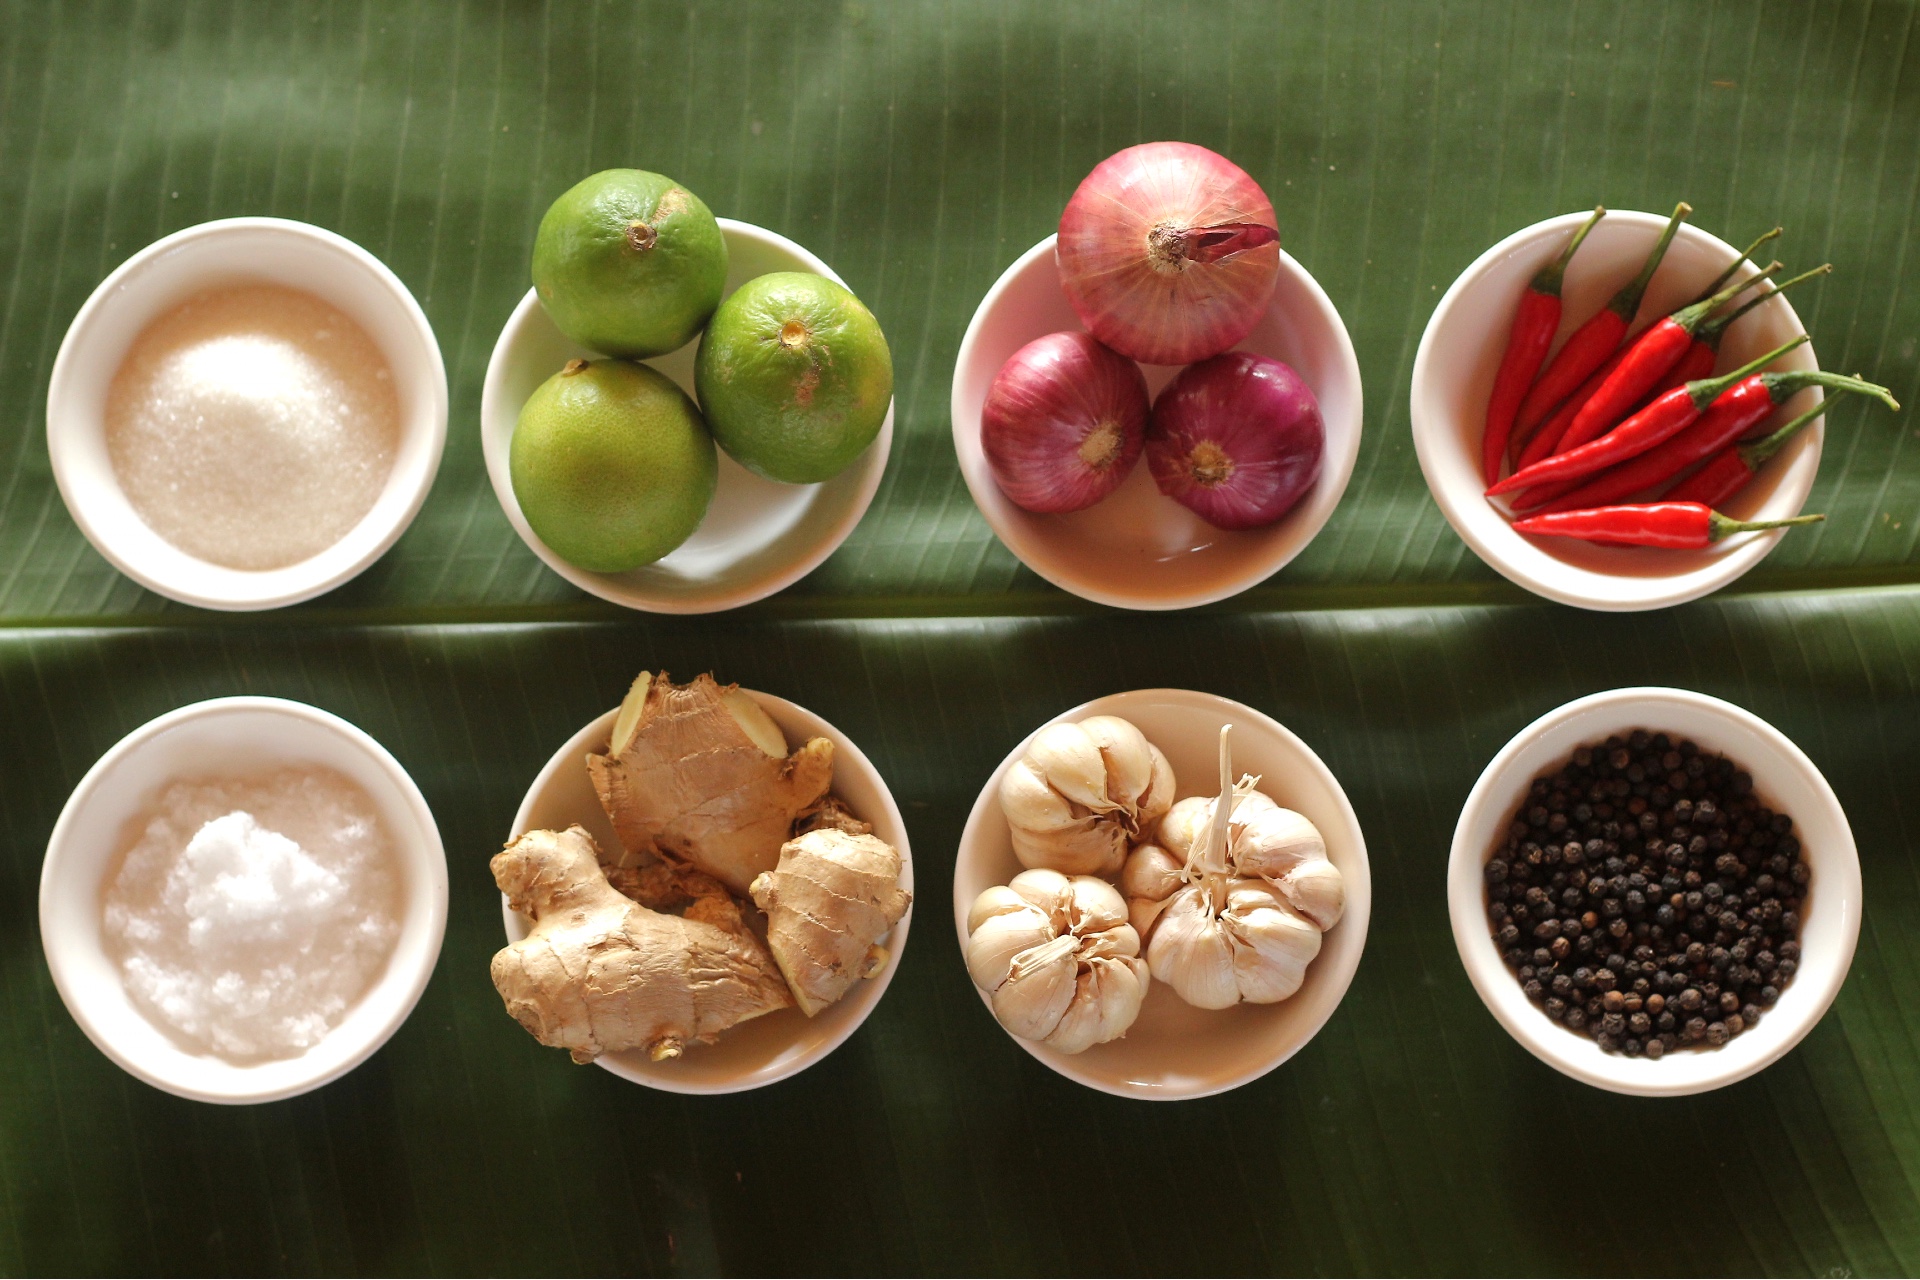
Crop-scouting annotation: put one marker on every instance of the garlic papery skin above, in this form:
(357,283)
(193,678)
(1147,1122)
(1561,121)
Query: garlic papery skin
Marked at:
(1057,958)
(1081,791)
(1264,841)
(1233,899)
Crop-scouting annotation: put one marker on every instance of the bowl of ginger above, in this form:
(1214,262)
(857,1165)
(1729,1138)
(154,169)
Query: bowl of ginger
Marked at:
(706,890)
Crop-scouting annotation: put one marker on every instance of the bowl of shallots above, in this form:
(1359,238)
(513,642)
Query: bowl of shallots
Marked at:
(1157,407)
(1116,939)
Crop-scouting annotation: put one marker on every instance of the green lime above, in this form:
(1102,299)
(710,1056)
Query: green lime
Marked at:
(629,263)
(794,377)
(612,465)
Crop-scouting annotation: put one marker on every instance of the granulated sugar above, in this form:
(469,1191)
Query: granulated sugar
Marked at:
(253,426)
(251,914)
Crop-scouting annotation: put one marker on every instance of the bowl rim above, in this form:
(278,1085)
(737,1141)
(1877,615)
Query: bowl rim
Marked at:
(106,295)
(1429,438)
(1338,465)
(1466,905)
(1358,915)
(429,858)
(592,735)
(872,465)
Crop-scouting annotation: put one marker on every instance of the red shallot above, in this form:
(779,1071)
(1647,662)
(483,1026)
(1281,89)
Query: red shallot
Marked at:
(1063,422)
(1236,439)
(1169,252)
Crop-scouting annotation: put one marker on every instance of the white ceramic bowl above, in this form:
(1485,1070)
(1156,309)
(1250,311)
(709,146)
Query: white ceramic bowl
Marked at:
(1174,1050)
(776,1045)
(233,737)
(1453,376)
(1137,548)
(167,273)
(1784,779)
(759,536)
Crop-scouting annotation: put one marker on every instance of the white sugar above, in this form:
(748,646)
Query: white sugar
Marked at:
(253,426)
(252,914)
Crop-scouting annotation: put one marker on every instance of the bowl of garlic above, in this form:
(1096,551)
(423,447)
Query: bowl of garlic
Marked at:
(1162,894)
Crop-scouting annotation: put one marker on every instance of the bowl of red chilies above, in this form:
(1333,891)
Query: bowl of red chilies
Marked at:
(1619,411)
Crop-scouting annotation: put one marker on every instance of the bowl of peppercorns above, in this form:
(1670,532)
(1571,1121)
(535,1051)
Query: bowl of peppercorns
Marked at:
(1654,891)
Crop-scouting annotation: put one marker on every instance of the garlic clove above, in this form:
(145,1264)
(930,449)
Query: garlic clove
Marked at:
(999,939)
(1151,872)
(1095,906)
(1128,758)
(1159,797)
(1274,841)
(1316,891)
(1092,846)
(1273,944)
(1107,999)
(1119,942)
(997,901)
(1143,914)
(1191,953)
(1040,985)
(1249,804)
(1151,877)
(1030,804)
(1045,889)
(1069,759)
(1183,825)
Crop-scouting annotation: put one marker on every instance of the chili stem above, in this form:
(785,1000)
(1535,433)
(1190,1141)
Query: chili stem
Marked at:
(1766,446)
(1626,303)
(1549,278)
(1746,255)
(1689,317)
(1718,324)
(1719,526)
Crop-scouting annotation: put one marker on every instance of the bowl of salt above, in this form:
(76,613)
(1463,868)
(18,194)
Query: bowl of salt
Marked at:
(243,899)
(247,413)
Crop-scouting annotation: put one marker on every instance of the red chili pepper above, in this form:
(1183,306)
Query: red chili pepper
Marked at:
(1729,470)
(1705,352)
(1545,442)
(1534,325)
(1665,417)
(1728,418)
(1683,525)
(1531,445)
(1597,339)
(1656,351)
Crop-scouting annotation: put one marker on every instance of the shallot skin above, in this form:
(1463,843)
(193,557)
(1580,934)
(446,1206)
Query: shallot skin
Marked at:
(1064,423)
(1169,253)
(1237,439)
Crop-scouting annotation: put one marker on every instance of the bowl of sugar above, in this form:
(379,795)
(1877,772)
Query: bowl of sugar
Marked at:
(247,413)
(243,899)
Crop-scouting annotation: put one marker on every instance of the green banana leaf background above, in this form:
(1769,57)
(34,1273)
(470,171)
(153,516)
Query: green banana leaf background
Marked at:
(919,146)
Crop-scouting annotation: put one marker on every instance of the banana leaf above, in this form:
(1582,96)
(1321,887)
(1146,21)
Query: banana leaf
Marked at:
(919,147)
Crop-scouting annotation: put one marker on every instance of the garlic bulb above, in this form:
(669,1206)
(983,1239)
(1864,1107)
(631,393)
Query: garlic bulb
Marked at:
(1058,958)
(1081,792)
(1234,897)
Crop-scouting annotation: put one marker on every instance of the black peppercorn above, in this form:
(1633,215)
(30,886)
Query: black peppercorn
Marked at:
(1649,866)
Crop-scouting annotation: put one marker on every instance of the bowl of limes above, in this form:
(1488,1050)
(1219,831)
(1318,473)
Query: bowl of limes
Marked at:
(685,413)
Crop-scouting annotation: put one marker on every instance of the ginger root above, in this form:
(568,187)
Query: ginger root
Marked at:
(834,895)
(700,773)
(600,973)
